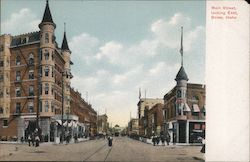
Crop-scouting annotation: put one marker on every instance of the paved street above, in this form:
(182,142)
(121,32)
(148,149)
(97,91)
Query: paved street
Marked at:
(124,149)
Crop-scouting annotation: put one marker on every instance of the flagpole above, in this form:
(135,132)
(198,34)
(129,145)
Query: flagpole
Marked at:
(181,50)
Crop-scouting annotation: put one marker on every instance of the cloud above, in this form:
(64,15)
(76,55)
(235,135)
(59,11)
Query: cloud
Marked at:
(168,31)
(84,47)
(22,21)
(117,70)
(111,50)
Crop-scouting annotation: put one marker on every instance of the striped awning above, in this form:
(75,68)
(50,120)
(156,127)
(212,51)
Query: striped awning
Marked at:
(186,108)
(196,108)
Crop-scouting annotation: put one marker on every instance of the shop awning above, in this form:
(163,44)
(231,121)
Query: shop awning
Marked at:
(196,108)
(186,108)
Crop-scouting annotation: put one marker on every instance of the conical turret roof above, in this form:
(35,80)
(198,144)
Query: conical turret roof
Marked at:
(65,43)
(181,75)
(47,15)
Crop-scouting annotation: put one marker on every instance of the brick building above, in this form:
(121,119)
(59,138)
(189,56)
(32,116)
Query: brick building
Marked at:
(144,105)
(184,110)
(155,120)
(35,76)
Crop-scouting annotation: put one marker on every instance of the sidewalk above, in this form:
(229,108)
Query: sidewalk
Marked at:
(149,141)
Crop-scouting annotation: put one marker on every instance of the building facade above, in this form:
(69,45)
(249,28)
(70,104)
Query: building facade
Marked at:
(35,91)
(144,105)
(102,124)
(155,120)
(133,127)
(184,110)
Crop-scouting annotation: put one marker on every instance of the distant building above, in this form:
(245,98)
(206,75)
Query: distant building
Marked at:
(133,127)
(155,120)
(102,124)
(144,105)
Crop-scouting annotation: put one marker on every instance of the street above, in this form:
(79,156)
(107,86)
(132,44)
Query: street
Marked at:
(123,149)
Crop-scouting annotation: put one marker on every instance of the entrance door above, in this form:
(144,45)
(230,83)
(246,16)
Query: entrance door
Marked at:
(182,131)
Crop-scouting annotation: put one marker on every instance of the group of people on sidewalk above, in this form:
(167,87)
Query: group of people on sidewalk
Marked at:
(34,138)
(163,138)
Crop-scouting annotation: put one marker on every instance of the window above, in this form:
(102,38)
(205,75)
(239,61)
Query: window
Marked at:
(18,60)
(1,78)
(52,107)
(31,74)
(46,55)
(7,92)
(18,92)
(31,90)
(46,37)
(1,48)
(31,59)
(178,93)
(46,88)
(41,71)
(40,89)
(52,72)
(18,107)
(1,63)
(46,106)
(52,89)
(40,106)
(46,70)
(1,93)
(52,55)
(1,110)
(31,107)
(41,54)
(5,123)
(18,75)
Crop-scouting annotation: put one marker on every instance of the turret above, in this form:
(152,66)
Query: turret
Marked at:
(181,86)
(46,68)
(67,72)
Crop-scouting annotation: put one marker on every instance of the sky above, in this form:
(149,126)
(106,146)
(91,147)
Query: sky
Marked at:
(120,46)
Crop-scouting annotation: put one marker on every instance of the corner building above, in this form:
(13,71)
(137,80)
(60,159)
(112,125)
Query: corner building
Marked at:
(34,81)
(184,110)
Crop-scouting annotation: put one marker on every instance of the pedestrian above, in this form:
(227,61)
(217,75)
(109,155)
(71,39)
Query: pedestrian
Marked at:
(37,139)
(168,138)
(75,138)
(153,139)
(157,140)
(203,145)
(33,139)
(22,140)
(29,139)
(174,138)
(162,140)
(110,139)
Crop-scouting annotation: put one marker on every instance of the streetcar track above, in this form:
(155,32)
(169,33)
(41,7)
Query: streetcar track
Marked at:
(99,149)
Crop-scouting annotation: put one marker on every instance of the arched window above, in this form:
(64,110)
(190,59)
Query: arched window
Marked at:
(18,60)
(31,74)
(31,59)
(46,37)
(178,93)
(46,88)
